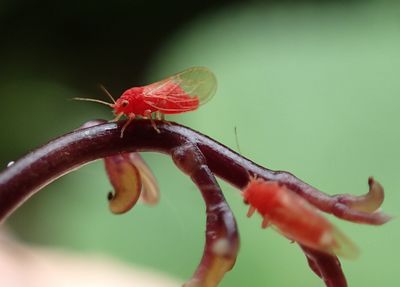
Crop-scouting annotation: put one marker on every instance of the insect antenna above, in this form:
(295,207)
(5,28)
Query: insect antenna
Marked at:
(107,93)
(94,100)
(237,140)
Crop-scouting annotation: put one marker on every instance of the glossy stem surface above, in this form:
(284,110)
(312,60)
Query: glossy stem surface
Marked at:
(195,154)
(58,157)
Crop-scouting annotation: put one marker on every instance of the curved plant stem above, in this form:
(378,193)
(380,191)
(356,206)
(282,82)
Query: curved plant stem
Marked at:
(222,237)
(42,166)
(326,266)
(198,156)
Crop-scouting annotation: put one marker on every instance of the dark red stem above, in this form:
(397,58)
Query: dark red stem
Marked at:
(42,166)
(221,225)
(194,153)
(325,266)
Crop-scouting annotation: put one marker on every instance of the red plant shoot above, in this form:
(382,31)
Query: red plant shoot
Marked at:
(295,218)
(180,93)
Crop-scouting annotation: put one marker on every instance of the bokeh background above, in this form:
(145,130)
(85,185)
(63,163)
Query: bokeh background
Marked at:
(312,87)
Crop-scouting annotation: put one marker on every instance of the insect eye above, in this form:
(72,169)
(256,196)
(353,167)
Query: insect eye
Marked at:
(124,103)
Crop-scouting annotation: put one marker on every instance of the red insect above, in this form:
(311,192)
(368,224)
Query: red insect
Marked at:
(182,92)
(295,218)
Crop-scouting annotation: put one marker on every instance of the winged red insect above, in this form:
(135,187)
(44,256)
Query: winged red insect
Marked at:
(180,93)
(295,218)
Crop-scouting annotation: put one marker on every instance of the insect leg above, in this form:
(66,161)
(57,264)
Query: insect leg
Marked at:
(117,117)
(161,116)
(251,211)
(147,114)
(131,117)
(265,223)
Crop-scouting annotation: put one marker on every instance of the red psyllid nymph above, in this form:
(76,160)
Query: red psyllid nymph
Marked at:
(180,93)
(295,218)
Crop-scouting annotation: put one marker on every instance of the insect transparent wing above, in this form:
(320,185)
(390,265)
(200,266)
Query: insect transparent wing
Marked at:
(343,245)
(198,81)
(195,82)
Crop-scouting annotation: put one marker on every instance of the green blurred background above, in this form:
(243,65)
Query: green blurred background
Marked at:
(312,87)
